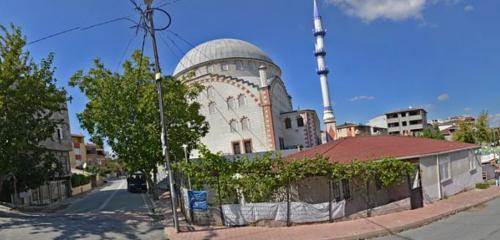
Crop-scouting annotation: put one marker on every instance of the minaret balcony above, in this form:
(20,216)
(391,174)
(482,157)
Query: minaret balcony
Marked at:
(319,32)
(319,52)
(322,71)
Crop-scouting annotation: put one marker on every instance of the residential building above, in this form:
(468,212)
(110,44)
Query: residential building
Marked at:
(79,154)
(245,100)
(443,169)
(379,121)
(95,155)
(407,122)
(60,187)
(450,125)
(354,130)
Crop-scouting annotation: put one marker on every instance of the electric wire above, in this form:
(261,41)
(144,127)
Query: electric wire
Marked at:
(124,54)
(81,28)
(162,39)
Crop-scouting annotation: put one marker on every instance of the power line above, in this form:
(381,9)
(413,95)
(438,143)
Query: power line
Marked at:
(83,28)
(170,49)
(167,3)
(125,51)
(188,43)
(179,49)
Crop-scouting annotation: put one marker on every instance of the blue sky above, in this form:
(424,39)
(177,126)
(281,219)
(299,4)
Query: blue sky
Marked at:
(383,55)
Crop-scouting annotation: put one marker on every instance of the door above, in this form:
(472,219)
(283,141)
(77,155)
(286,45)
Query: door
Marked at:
(416,193)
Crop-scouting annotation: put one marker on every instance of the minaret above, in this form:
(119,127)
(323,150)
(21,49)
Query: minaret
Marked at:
(320,53)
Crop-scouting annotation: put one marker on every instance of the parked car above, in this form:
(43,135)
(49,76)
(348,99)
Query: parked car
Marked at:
(136,182)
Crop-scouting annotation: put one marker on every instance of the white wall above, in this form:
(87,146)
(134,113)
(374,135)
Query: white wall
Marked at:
(462,177)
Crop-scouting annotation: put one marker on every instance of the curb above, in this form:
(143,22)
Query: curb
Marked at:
(416,224)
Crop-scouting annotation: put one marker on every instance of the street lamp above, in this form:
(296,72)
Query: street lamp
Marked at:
(185,146)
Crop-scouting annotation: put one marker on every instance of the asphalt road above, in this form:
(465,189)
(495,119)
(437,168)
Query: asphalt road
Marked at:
(108,213)
(479,223)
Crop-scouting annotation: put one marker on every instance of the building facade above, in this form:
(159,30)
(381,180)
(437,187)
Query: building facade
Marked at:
(245,101)
(354,130)
(407,122)
(78,156)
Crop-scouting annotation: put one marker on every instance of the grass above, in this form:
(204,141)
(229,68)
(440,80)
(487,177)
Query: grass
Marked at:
(483,185)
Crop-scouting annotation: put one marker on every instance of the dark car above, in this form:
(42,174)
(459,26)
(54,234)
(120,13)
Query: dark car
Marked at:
(137,182)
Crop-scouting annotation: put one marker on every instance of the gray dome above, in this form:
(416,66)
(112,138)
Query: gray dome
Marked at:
(220,49)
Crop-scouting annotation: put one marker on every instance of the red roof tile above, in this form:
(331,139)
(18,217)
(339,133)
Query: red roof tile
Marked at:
(366,148)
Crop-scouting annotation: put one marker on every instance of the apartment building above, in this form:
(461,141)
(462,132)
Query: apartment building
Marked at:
(79,154)
(407,122)
(354,130)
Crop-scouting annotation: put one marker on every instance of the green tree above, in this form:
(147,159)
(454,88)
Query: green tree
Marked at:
(433,132)
(483,133)
(29,100)
(123,111)
(465,132)
(474,132)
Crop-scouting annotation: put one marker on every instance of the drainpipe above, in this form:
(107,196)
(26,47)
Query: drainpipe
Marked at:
(440,190)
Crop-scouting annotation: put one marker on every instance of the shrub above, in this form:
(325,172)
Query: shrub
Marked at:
(79,180)
(483,185)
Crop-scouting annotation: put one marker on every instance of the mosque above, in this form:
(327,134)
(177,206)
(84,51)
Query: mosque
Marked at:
(245,100)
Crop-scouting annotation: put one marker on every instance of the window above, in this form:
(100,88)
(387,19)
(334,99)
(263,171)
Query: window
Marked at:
(236,148)
(245,124)
(288,123)
(231,103)
(396,124)
(239,65)
(346,190)
(300,122)
(233,126)
(224,67)
(60,135)
(247,144)
(242,101)
(282,143)
(210,92)
(414,122)
(336,191)
(405,123)
(444,168)
(211,108)
(77,151)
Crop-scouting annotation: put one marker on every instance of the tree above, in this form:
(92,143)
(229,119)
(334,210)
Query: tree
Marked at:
(474,132)
(433,132)
(483,133)
(123,111)
(29,100)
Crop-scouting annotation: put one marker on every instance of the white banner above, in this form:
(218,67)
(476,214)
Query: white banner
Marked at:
(300,212)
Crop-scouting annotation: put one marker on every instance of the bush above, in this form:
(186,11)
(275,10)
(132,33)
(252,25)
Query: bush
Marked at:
(79,180)
(483,185)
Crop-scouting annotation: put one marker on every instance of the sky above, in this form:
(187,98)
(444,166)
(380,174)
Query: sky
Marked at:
(443,55)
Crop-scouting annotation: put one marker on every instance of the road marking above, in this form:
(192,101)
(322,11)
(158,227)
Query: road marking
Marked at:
(103,205)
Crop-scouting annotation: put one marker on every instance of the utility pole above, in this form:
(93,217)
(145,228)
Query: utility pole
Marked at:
(164,139)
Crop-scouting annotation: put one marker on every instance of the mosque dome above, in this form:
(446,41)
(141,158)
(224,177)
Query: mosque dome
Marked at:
(220,49)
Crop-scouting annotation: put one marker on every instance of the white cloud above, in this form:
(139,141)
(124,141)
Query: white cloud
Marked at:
(358,98)
(469,8)
(370,10)
(443,97)
(467,109)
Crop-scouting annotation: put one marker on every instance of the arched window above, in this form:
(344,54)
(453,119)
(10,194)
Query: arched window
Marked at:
(210,92)
(233,126)
(242,101)
(245,124)
(231,103)
(211,108)
(239,65)
(300,121)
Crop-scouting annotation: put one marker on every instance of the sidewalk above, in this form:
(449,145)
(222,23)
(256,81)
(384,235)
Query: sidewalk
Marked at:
(355,229)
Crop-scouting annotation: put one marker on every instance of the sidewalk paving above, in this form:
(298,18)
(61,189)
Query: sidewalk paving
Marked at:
(355,229)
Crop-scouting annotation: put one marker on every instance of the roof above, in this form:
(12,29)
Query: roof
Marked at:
(368,148)
(406,110)
(220,49)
